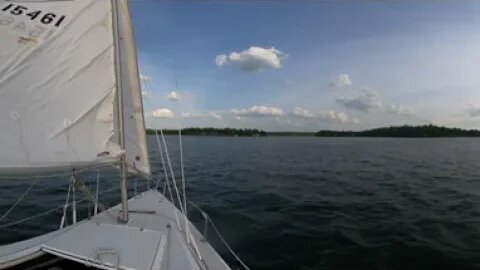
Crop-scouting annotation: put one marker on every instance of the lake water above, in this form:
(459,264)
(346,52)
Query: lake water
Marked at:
(313,203)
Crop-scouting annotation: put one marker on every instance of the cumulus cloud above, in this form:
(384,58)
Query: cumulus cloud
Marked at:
(162,113)
(366,100)
(173,96)
(214,115)
(144,78)
(259,111)
(343,80)
(331,115)
(252,59)
(400,109)
(302,113)
(326,115)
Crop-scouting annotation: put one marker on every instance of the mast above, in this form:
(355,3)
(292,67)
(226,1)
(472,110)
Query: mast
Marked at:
(123,218)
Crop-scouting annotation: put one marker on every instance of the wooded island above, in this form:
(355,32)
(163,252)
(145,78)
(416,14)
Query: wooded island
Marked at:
(424,131)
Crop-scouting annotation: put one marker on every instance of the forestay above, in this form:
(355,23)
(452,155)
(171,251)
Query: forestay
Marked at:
(57,85)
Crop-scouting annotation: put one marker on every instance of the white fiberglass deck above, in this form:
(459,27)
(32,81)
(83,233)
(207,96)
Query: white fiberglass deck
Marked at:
(152,239)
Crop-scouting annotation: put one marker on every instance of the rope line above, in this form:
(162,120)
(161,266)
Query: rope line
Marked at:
(162,159)
(219,234)
(226,244)
(183,209)
(167,181)
(159,146)
(177,193)
(60,207)
(19,199)
(31,217)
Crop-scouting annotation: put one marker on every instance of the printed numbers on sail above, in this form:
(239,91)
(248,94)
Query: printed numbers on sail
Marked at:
(34,15)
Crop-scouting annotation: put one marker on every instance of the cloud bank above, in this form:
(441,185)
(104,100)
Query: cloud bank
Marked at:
(302,113)
(259,111)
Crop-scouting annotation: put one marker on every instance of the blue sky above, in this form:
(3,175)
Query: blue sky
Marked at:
(305,66)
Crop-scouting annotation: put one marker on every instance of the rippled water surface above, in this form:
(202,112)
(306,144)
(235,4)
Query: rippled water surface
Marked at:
(312,203)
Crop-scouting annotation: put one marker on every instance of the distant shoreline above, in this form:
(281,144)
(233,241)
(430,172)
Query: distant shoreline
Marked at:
(423,131)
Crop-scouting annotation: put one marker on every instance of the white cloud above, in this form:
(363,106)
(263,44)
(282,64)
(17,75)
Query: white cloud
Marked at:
(366,100)
(221,60)
(400,109)
(343,80)
(302,113)
(173,96)
(238,118)
(259,111)
(214,115)
(144,78)
(162,113)
(331,115)
(253,59)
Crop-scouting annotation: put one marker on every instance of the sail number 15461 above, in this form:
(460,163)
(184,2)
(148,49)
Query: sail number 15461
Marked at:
(39,15)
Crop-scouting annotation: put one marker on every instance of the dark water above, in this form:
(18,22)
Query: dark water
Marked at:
(316,203)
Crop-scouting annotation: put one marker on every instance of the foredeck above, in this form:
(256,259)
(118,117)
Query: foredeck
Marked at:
(153,238)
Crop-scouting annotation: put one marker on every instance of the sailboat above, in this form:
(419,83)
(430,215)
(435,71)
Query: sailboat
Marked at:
(70,101)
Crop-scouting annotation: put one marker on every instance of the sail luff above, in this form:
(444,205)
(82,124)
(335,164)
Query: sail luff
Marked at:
(134,124)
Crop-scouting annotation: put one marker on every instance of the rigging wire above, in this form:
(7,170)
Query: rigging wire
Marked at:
(60,207)
(219,234)
(19,199)
(171,171)
(162,159)
(167,181)
(226,244)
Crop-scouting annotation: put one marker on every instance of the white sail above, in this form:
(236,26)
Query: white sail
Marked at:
(133,122)
(57,85)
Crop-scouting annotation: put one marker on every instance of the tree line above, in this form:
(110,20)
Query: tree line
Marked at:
(214,132)
(407,131)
